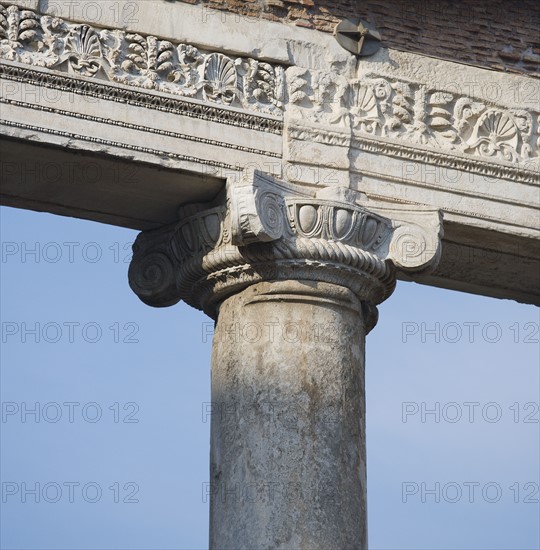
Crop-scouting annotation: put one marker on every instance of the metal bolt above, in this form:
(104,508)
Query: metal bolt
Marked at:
(358,37)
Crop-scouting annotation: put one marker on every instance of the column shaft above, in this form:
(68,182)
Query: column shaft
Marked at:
(288,458)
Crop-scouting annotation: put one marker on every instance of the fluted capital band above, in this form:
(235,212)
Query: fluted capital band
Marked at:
(267,230)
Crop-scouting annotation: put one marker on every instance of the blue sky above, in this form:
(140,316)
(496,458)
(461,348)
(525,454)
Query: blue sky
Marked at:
(120,453)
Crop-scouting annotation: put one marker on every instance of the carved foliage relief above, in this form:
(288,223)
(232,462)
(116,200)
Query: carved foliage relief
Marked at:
(143,61)
(413,113)
(382,107)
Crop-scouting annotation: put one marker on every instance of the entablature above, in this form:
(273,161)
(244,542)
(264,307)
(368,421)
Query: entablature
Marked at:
(198,98)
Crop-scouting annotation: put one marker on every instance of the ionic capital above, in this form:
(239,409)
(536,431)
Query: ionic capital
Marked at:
(267,230)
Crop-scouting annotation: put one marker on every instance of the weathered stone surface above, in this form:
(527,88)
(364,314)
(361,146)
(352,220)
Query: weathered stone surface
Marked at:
(397,127)
(140,61)
(500,34)
(288,457)
(267,230)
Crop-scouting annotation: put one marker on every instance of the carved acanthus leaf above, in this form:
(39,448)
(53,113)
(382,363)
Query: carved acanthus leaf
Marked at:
(19,29)
(413,113)
(139,60)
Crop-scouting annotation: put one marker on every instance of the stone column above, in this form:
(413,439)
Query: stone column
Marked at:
(288,457)
(293,278)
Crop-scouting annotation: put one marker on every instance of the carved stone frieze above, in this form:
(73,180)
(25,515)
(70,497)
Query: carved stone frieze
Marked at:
(413,114)
(143,61)
(265,230)
(318,96)
(395,115)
